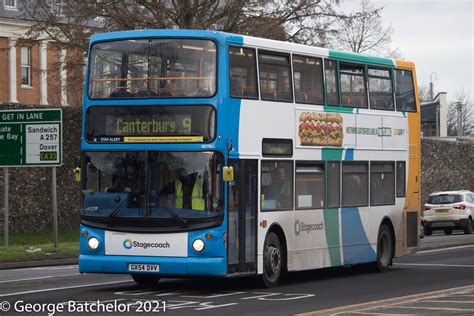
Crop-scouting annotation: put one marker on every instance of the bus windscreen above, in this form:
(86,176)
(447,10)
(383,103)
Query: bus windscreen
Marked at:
(153,68)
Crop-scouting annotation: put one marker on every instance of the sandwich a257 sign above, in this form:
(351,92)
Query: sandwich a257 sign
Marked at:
(31,138)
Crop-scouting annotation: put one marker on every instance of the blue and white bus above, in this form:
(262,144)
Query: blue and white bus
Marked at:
(213,154)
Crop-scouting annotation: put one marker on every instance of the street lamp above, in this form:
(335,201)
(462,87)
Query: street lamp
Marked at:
(435,75)
(459,108)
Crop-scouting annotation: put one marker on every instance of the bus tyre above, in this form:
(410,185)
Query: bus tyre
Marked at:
(146,280)
(385,249)
(272,260)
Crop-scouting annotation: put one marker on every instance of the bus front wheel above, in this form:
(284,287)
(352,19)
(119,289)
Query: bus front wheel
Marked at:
(145,280)
(272,260)
(385,249)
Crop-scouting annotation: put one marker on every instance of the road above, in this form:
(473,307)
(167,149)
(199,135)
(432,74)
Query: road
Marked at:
(430,281)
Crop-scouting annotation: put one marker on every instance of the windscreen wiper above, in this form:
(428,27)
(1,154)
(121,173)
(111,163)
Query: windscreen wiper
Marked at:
(119,207)
(171,212)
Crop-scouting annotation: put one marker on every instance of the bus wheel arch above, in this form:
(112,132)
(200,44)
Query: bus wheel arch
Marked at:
(274,238)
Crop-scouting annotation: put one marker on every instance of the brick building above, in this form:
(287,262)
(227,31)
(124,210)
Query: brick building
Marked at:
(33,71)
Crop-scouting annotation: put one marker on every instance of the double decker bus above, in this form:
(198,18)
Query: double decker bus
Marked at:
(213,154)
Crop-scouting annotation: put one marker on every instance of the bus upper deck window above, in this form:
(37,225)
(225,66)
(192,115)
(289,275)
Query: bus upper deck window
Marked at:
(243,73)
(404,91)
(353,89)
(308,78)
(275,76)
(332,93)
(380,89)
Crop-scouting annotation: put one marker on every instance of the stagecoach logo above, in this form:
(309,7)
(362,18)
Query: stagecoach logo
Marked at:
(129,244)
(302,227)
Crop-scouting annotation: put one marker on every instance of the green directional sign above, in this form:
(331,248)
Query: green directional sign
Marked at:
(31,138)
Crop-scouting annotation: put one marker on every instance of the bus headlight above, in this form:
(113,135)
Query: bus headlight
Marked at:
(198,245)
(93,243)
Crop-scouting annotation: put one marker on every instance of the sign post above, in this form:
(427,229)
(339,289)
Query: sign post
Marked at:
(31,138)
(5,210)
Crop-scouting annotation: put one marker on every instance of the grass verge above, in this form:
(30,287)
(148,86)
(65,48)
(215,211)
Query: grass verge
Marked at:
(39,246)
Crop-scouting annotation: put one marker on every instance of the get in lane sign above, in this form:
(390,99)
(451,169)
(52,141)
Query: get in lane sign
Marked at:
(31,138)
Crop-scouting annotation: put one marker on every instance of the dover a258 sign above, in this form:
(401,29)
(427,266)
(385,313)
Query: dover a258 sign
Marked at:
(31,138)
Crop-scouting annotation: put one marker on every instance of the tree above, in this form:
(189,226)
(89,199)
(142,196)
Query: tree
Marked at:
(363,32)
(72,23)
(424,93)
(462,107)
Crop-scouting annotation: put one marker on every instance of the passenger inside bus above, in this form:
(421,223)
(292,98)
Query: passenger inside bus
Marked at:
(127,179)
(188,189)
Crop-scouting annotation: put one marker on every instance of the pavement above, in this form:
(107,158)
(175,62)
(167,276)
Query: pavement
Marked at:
(428,282)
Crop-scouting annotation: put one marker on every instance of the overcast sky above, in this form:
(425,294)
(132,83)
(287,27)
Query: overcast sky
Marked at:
(438,35)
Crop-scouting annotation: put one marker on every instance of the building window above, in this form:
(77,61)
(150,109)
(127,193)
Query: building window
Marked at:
(277,185)
(382,183)
(355,184)
(10,4)
(243,73)
(26,66)
(57,6)
(309,186)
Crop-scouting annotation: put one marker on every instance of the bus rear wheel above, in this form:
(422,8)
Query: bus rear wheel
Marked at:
(385,249)
(145,280)
(272,260)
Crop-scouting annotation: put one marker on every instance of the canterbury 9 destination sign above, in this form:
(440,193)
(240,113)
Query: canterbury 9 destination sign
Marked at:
(31,138)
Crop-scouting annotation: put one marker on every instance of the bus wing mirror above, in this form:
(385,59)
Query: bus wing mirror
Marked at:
(77,174)
(228,173)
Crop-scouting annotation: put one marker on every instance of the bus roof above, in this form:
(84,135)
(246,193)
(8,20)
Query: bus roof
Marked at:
(264,43)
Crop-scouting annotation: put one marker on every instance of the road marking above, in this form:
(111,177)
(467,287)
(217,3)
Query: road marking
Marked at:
(444,249)
(64,288)
(385,302)
(436,308)
(39,278)
(211,295)
(368,313)
(443,301)
(436,265)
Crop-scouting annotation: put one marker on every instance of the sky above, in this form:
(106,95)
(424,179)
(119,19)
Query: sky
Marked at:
(438,35)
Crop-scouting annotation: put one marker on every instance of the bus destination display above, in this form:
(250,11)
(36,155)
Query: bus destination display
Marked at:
(150,124)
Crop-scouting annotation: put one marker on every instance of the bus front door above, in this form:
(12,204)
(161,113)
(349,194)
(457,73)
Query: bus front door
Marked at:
(242,219)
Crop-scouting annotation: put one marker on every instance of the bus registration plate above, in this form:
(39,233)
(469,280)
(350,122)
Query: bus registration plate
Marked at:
(138,267)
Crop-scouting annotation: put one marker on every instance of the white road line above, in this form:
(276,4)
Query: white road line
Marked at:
(436,265)
(65,288)
(39,278)
(444,249)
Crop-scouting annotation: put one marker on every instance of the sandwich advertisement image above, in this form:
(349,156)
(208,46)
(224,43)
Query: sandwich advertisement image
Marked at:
(320,129)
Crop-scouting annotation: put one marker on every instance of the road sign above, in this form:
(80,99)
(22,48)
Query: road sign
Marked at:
(31,138)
